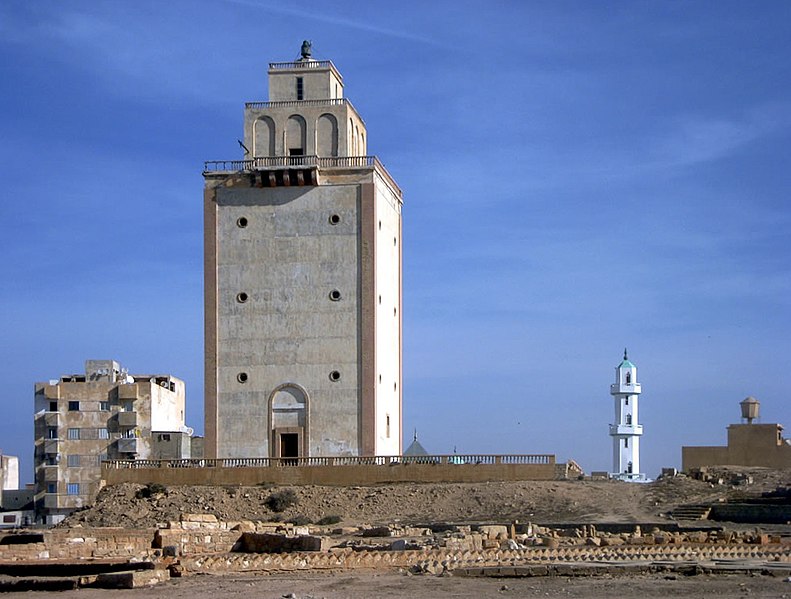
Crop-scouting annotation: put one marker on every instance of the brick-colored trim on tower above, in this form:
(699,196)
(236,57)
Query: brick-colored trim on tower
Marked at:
(210,321)
(368,319)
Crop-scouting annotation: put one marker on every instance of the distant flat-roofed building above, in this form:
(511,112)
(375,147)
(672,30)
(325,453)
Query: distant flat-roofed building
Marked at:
(749,444)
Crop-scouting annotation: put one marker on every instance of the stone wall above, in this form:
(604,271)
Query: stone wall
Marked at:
(331,475)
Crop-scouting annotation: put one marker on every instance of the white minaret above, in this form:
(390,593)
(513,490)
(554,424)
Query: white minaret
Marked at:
(626,431)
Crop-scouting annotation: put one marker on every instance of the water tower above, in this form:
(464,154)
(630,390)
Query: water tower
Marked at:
(750,407)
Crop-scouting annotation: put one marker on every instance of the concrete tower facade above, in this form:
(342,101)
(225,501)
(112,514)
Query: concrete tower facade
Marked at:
(302,280)
(626,431)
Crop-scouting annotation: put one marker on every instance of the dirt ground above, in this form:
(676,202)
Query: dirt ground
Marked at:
(362,585)
(412,503)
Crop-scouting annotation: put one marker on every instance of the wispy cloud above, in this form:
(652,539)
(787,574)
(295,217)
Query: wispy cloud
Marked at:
(313,15)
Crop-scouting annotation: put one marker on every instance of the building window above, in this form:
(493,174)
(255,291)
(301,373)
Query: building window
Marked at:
(127,406)
(74,406)
(628,378)
(164,437)
(73,461)
(103,433)
(73,488)
(628,419)
(626,442)
(626,402)
(74,434)
(52,460)
(53,406)
(300,88)
(388,426)
(104,406)
(52,487)
(52,432)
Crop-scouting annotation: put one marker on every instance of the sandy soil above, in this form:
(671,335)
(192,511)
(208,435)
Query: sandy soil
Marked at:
(359,585)
(536,501)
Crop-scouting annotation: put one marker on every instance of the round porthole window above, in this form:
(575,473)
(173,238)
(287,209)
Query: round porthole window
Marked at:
(242,377)
(335,219)
(335,295)
(335,376)
(242,297)
(241,222)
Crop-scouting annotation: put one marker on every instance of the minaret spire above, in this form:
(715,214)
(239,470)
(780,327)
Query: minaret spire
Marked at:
(626,430)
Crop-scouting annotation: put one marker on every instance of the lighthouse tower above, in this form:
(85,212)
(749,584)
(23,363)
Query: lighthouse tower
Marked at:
(626,431)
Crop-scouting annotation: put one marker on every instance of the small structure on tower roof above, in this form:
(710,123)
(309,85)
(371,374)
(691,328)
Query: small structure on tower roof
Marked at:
(626,431)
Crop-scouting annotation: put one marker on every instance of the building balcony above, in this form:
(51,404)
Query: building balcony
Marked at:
(51,501)
(293,103)
(55,501)
(49,473)
(618,389)
(127,419)
(52,446)
(128,391)
(51,418)
(300,64)
(127,445)
(263,163)
(626,429)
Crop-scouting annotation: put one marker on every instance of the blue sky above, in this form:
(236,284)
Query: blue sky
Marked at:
(578,177)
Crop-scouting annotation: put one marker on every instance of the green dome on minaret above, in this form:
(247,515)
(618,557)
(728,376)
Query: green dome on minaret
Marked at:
(626,363)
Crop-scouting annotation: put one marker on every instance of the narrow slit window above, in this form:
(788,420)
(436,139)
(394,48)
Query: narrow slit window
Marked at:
(300,88)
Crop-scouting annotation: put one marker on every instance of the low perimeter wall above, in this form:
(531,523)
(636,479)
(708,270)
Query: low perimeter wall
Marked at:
(285,472)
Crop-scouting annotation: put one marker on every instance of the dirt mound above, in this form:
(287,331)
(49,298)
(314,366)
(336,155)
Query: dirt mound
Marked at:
(132,506)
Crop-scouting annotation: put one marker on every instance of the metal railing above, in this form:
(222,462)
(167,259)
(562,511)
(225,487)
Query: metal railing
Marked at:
(310,161)
(300,64)
(287,103)
(460,459)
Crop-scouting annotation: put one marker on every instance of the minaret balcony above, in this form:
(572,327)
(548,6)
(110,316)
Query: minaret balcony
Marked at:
(301,103)
(269,163)
(619,389)
(626,429)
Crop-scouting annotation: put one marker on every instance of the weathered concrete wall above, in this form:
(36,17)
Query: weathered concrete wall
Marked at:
(288,259)
(331,475)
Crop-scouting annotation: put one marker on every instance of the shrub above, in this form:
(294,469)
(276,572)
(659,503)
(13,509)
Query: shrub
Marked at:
(280,501)
(325,520)
(299,520)
(150,490)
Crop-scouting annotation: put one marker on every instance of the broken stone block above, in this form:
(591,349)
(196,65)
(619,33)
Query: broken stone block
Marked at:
(595,541)
(378,531)
(251,542)
(130,580)
(494,531)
